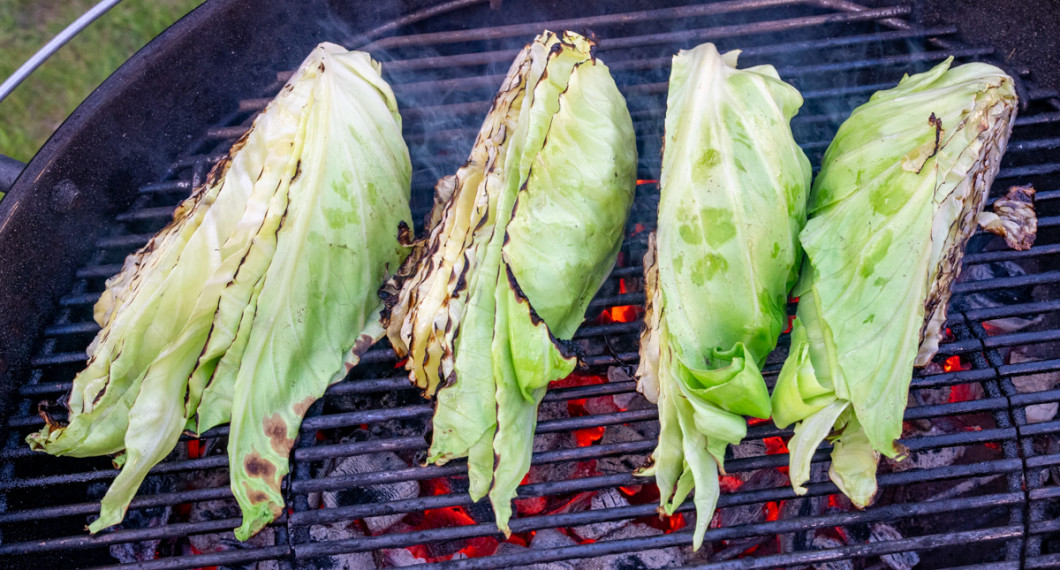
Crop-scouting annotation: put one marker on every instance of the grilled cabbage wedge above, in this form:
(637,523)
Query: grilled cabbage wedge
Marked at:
(518,242)
(719,267)
(260,293)
(889,216)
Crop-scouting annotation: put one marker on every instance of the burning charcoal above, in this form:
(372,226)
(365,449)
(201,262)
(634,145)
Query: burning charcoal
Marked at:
(345,561)
(1035,383)
(801,507)
(606,499)
(823,542)
(554,440)
(623,374)
(933,396)
(749,448)
(399,558)
(130,552)
(222,509)
(882,532)
(631,401)
(754,512)
(625,400)
(382,493)
(509,548)
(656,558)
(551,538)
(929,397)
(996,297)
(600,405)
(621,433)
(927,458)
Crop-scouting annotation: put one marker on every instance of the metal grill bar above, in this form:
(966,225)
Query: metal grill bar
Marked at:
(575,519)
(518,30)
(120,536)
(206,560)
(612,547)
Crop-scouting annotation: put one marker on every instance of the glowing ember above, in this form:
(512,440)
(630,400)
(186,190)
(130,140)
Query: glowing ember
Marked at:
(649,494)
(962,393)
(622,313)
(196,552)
(588,436)
(772,511)
(431,487)
(641,495)
(586,406)
(575,379)
(530,505)
(451,517)
(578,502)
(645,181)
(791,322)
(776,446)
(665,523)
(955,364)
(992,330)
(195,448)
(729,483)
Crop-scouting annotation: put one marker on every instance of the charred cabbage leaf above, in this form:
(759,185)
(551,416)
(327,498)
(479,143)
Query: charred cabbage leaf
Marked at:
(519,241)
(889,215)
(719,267)
(259,294)
(1013,218)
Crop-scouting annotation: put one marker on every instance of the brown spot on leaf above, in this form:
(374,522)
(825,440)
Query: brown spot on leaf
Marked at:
(362,344)
(302,407)
(276,430)
(256,466)
(255,495)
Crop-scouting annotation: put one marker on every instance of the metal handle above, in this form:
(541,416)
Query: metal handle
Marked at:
(52,46)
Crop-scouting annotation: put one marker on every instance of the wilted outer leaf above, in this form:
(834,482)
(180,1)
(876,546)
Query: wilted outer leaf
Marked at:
(337,243)
(147,306)
(260,293)
(717,274)
(890,213)
(520,240)
(1013,218)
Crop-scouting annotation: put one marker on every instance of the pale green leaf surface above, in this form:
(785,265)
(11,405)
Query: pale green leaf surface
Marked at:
(733,192)
(891,210)
(336,244)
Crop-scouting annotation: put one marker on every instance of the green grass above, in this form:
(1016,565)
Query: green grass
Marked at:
(37,107)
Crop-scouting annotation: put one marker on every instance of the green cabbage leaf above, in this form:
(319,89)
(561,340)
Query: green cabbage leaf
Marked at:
(719,267)
(260,293)
(519,241)
(889,215)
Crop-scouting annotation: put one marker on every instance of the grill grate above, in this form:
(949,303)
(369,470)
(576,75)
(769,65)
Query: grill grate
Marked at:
(998,496)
